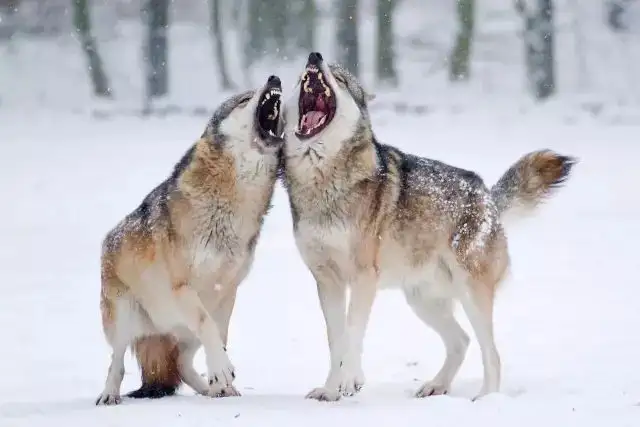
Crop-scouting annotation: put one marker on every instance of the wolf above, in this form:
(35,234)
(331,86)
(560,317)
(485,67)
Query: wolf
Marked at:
(368,216)
(171,268)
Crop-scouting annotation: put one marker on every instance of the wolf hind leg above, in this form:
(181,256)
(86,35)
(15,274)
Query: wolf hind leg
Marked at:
(122,322)
(477,302)
(480,263)
(438,314)
(476,286)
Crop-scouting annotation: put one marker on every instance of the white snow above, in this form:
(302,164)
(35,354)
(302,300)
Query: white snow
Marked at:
(565,322)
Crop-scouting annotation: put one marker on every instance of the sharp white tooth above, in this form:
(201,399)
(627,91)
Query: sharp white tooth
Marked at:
(282,134)
(271,133)
(267,96)
(322,120)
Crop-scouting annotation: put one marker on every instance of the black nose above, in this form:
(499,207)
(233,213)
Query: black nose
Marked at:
(314,59)
(274,80)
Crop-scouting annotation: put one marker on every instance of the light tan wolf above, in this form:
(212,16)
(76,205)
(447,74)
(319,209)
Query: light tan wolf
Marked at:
(368,216)
(171,268)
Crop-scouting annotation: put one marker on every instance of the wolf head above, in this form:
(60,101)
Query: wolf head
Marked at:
(250,120)
(327,111)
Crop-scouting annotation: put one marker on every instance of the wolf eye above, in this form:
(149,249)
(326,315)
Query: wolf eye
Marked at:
(340,79)
(243,102)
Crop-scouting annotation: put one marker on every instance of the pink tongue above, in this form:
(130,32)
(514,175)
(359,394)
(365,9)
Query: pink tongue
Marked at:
(312,118)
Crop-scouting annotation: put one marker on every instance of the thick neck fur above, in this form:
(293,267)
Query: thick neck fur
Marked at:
(225,189)
(221,172)
(321,184)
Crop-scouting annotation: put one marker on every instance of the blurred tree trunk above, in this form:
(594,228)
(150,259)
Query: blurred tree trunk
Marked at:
(217,34)
(539,47)
(156,16)
(616,11)
(8,15)
(459,65)
(269,29)
(347,36)
(302,18)
(385,54)
(547,82)
(82,23)
(582,79)
(278,19)
(308,21)
(256,42)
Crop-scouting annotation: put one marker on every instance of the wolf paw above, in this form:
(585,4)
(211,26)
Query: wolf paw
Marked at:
(349,380)
(483,393)
(346,382)
(432,389)
(351,385)
(217,391)
(221,372)
(323,394)
(108,399)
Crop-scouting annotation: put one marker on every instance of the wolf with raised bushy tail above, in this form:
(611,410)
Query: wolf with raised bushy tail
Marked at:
(171,268)
(368,216)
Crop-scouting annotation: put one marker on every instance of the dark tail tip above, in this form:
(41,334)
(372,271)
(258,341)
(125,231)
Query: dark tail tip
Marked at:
(152,391)
(566,164)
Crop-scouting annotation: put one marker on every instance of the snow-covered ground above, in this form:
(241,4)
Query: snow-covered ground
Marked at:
(565,322)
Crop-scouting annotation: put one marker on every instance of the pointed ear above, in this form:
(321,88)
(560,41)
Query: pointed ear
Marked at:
(369,97)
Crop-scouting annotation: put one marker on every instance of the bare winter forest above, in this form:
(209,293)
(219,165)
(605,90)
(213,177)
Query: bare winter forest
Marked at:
(179,55)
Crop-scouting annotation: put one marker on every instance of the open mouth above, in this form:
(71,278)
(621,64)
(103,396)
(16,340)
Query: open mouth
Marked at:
(317,103)
(268,114)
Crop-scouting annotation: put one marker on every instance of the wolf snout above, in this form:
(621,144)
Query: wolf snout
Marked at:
(274,81)
(315,58)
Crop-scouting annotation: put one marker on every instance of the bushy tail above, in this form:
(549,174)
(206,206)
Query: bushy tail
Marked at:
(158,358)
(529,182)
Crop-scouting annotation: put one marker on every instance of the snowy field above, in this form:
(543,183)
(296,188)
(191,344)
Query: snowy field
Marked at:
(565,322)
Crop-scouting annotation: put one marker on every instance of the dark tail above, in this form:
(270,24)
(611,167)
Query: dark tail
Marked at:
(534,178)
(158,358)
